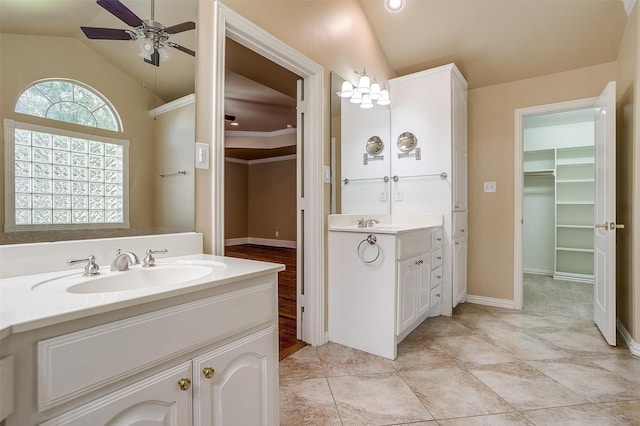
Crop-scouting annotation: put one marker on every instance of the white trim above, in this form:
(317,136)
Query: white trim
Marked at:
(260,242)
(518,182)
(634,347)
(262,160)
(170,106)
(228,23)
(248,134)
(537,272)
(491,301)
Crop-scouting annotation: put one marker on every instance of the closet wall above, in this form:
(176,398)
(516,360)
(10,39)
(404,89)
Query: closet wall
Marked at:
(559,195)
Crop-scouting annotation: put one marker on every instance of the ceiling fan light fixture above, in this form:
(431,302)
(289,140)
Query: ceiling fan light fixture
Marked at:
(394,6)
(356,98)
(384,98)
(374,92)
(366,102)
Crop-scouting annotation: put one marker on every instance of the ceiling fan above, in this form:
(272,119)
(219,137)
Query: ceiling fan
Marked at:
(155,35)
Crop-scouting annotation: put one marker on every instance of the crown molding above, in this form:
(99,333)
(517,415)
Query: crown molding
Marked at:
(248,134)
(170,106)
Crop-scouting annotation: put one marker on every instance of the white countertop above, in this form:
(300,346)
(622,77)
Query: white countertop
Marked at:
(22,308)
(382,228)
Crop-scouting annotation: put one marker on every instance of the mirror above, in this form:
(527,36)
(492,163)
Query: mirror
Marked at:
(360,172)
(375,145)
(407,142)
(56,48)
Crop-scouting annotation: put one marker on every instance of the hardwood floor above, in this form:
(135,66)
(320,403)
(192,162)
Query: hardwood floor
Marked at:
(286,289)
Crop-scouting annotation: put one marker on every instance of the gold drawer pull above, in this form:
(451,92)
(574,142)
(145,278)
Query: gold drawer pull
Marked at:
(208,372)
(184,384)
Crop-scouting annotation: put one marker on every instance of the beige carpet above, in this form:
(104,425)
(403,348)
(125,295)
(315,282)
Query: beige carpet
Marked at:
(543,294)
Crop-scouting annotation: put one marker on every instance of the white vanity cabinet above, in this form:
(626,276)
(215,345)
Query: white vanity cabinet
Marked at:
(203,358)
(375,301)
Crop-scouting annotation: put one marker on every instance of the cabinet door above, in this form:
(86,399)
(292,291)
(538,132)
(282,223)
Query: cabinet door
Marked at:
(459,270)
(237,384)
(163,399)
(424,283)
(407,292)
(459,179)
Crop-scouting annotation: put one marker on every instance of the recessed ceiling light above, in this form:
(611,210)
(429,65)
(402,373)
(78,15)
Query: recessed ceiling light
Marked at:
(234,123)
(394,6)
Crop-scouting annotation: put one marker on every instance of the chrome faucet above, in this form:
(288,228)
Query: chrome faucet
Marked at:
(92,267)
(123,260)
(149,260)
(371,222)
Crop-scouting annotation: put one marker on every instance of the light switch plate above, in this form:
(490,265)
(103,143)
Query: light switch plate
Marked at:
(489,187)
(202,155)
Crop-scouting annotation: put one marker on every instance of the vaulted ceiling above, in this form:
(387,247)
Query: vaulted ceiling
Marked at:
(491,41)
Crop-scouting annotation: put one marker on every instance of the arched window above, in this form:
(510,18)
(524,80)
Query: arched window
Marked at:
(61,179)
(70,101)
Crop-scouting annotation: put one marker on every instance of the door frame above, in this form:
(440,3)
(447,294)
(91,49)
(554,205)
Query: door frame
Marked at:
(518,183)
(227,23)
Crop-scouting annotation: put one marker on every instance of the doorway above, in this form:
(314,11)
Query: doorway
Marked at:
(575,186)
(558,211)
(310,201)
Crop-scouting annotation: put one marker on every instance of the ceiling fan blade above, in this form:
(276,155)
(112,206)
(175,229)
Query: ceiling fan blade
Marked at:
(121,12)
(185,26)
(181,48)
(105,33)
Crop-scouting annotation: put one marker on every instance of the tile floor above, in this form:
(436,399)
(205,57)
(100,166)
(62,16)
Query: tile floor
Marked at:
(482,366)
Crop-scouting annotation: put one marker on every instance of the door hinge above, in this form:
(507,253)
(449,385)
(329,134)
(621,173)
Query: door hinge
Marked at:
(301,203)
(300,106)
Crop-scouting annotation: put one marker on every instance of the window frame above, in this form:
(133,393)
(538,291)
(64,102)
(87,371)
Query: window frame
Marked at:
(9,163)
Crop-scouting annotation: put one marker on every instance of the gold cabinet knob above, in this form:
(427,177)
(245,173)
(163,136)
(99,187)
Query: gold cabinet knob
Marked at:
(438,239)
(462,230)
(184,384)
(438,276)
(208,372)
(439,257)
(437,294)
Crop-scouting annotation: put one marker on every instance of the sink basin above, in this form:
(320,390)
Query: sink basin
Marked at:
(134,279)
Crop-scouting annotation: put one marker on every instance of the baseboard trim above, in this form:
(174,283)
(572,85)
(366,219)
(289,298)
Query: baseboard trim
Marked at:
(634,347)
(261,242)
(491,301)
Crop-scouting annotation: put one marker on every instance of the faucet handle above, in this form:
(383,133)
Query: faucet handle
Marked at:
(92,267)
(149,260)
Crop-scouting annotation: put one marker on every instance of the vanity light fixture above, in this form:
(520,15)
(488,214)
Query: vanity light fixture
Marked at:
(366,93)
(394,6)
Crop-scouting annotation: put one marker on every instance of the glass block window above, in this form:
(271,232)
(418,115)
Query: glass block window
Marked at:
(64,180)
(69,101)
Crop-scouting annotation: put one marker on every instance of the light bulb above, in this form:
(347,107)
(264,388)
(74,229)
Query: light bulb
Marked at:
(363,84)
(165,55)
(356,98)
(347,90)
(146,48)
(394,6)
(366,102)
(384,98)
(375,94)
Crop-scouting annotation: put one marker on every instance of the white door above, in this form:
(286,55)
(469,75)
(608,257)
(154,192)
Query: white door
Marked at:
(604,296)
(300,210)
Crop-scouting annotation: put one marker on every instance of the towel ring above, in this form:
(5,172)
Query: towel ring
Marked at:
(372,240)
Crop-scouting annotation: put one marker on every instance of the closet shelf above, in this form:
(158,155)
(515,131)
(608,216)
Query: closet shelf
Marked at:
(575,203)
(588,180)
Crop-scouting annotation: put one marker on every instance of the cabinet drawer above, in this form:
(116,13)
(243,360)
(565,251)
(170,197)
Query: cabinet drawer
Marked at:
(78,363)
(413,244)
(436,295)
(436,258)
(436,239)
(459,224)
(436,277)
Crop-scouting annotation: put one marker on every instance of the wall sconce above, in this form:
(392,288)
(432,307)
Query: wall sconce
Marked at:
(365,93)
